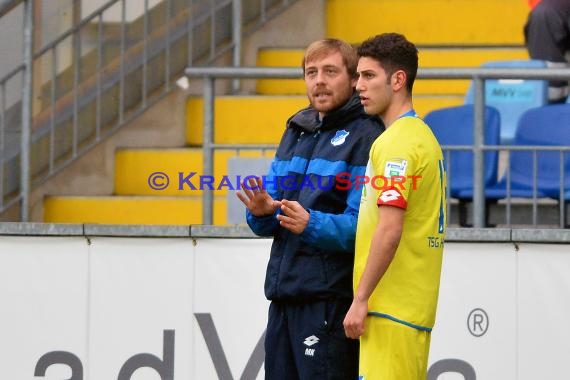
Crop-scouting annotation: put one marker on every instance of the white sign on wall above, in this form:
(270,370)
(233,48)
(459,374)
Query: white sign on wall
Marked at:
(543,311)
(141,302)
(475,331)
(230,303)
(179,308)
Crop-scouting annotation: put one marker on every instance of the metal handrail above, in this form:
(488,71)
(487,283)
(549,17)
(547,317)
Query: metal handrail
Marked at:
(86,91)
(477,75)
(7,5)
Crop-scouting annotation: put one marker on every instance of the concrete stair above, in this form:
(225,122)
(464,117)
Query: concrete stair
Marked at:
(135,201)
(430,22)
(243,119)
(115,209)
(428,57)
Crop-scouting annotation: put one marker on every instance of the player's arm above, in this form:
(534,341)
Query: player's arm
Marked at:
(336,232)
(261,204)
(332,231)
(325,230)
(383,248)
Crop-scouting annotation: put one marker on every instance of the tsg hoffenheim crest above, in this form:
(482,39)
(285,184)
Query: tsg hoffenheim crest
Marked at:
(339,137)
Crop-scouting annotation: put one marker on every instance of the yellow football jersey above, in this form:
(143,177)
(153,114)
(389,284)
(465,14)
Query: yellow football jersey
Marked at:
(406,170)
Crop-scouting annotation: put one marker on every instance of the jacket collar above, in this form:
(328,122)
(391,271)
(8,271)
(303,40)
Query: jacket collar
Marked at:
(308,118)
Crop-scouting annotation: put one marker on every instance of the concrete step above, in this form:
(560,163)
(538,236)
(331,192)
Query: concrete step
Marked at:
(243,119)
(428,57)
(170,210)
(150,188)
(278,57)
(429,22)
(130,210)
(261,119)
(136,168)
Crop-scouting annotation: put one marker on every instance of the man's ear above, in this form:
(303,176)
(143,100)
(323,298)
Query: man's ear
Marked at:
(399,79)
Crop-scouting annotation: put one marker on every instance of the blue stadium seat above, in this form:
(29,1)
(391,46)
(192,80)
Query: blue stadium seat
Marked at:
(544,126)
(455,126)
(512,97)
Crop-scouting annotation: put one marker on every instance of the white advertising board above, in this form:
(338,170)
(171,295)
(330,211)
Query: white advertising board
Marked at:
(230,304)
(43,288)
(543,311)
(181,308)
(140,313)
(475,331)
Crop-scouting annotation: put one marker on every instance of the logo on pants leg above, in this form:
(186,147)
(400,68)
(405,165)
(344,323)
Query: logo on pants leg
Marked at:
(310,341)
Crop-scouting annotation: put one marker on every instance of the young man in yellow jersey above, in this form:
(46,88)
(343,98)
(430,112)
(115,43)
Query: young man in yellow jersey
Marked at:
(401,226)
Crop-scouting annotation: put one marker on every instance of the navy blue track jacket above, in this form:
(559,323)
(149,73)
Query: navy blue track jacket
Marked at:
(318,263)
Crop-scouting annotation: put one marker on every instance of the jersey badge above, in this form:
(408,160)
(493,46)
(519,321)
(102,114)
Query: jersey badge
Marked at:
(339,137)
(395,167)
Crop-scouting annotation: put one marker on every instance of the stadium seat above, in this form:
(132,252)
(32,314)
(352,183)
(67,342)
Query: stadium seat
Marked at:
(455,126)
(512,97)
(543,126)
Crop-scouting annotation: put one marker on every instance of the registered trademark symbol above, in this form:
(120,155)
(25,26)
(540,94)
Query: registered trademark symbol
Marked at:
(477,322)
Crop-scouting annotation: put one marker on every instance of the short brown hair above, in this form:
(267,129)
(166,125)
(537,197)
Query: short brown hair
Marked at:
(322,48)
(394,52)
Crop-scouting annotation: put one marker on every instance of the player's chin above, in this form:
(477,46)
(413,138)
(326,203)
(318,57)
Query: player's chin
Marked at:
(372,108)
(369,109)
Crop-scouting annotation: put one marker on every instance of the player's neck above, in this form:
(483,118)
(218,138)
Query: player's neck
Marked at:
(396,111)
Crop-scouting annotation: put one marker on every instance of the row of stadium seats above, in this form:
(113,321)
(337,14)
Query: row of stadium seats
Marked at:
(541,172)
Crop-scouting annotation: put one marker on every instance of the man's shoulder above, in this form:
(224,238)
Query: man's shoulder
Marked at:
(365,126)
(303,118)
(412,136)
(412,128)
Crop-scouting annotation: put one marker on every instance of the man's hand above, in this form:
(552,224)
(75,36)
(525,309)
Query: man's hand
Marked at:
(354,320)
(256,198)
(294,217)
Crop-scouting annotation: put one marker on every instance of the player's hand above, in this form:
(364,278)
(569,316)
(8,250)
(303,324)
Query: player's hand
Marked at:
(294,217)
(354,320)
(256,198)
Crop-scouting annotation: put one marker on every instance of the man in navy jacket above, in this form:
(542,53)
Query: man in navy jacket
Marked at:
(309,204)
